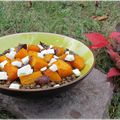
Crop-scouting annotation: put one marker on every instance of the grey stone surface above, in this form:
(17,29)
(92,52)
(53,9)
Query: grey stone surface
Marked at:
(88,99)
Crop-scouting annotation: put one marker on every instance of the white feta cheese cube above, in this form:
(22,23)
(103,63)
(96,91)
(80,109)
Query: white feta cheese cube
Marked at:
(51,46)
(25,70)
(3,76)
(43,52)
(56,57)
(67,52)
(69,57)
(57,85)
(12,49)
(43,69)
(17,63)
(40,46)
(14,85)
(11,55)
(52,60)
(2,64)
(25,60)
(40,55)
(53,68)
(76,72)
(50,51)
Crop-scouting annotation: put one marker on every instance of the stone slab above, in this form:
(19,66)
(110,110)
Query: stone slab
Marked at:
(88,99)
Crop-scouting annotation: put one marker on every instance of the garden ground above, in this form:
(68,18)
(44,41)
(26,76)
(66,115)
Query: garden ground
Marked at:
(69,18)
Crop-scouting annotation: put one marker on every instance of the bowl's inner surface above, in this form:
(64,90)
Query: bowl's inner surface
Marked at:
(49,38)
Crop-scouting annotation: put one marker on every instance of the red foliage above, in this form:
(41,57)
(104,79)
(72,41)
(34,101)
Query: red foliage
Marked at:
(113,72)
(99,41)
(114,55)
(115,36)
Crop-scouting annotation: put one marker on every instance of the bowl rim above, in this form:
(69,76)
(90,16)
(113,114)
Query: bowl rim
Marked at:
(51,88)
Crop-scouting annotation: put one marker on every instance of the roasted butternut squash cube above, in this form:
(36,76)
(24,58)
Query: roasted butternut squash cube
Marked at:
(18,59)
(38,63)
(29,79)
(54,76)
(11,71)
(59,50)
(64,69)
(32,53)
(33,48)
(78,62)
(62,57)
(2,58)
(21,53)
(48,57)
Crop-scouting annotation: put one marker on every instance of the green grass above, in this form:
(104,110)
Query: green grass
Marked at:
(5,115)
(69,18)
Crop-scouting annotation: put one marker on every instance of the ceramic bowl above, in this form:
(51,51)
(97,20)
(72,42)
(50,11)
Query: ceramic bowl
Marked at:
(48,38)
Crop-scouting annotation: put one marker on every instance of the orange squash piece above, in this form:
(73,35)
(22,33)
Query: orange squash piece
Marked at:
(29,79)
(48,57)
(64,69)
(33,48)
(78,62)
(21,53)
(32,53)
(2,58)
(11,71)
(54,76)
(38,63)
(62,57)
(59,50)
(18,59)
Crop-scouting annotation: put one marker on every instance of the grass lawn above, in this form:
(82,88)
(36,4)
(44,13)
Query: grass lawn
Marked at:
(68,18)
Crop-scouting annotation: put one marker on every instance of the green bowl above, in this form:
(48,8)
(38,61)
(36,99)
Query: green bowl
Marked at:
(48,38)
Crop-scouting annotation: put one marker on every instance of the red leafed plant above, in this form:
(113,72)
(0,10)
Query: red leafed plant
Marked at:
(112,43)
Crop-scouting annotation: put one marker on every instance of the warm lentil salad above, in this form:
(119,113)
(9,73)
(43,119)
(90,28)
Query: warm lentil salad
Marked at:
(30,66)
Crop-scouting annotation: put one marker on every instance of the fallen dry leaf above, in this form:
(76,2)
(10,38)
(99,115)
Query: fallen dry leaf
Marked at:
(93,17)
(97,3)
(29,4)
(100,18)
